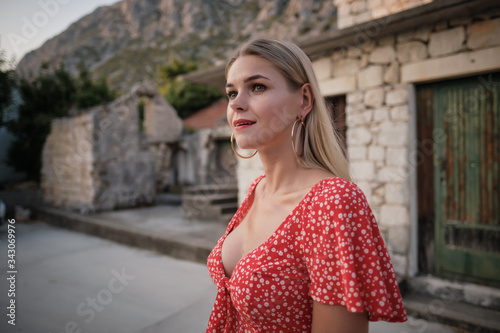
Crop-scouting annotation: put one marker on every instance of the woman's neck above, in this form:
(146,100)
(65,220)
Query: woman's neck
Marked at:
(283,172)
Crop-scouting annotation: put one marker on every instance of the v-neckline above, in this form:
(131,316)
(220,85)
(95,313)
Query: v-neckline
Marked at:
(272,236)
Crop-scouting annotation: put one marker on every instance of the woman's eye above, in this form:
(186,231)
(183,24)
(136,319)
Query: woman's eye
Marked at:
(258,87)
(231,94)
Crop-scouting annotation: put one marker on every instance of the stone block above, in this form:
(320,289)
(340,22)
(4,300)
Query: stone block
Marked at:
(345,67)
(366,188)
(393,134)
(354,97)
(356,153)
(343,10)
(345,22)
(483,34)
(322,68)
(338,55)
(382,55)
(362,17)
(358,115)
(400,112)
(394,215)
(411,51)
(419,34)
(380,12)
(358,7)
(391,73)
(374,4)
(368,46)
(381,115)
(465,63)
(398,239)
(363,170)
(400,263)
(396,194)
(377,200)
(354,53)
(363,61)
(392,174)
(397,96)
(370,77)
(376,153)
(374,97)
(337,86)
(359,136)
(446,41)
(396,156)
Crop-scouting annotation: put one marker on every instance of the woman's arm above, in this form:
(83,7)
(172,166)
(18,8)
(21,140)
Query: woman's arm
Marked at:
(336,319)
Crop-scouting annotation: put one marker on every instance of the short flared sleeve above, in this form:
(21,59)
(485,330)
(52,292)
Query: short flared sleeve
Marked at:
(345,255)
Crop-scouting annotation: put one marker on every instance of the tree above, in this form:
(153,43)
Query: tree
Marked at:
(185,97)
(7,84)
(89,93)
(46,97)
(170,72)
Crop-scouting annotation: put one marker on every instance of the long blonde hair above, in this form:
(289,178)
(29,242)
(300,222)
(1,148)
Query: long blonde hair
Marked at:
(321,142)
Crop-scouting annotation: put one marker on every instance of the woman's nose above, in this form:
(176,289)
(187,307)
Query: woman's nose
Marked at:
(239,103)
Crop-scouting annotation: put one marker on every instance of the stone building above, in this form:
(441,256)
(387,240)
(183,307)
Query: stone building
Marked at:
(417,87)
(207,163)
(112,156)
(206,156)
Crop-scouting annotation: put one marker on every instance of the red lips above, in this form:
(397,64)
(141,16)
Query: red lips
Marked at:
(242,123)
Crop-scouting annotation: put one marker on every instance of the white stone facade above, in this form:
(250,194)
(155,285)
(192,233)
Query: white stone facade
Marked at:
(377,75)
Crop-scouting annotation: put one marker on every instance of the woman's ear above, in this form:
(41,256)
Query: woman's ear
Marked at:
(307,100)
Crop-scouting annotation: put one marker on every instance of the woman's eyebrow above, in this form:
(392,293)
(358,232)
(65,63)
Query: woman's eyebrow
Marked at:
(250,78)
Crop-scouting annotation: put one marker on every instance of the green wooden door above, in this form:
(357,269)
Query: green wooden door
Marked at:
(466,129)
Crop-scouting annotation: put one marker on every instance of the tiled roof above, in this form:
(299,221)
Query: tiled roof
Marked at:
(212,116)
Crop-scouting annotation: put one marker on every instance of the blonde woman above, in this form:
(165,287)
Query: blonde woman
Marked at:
(303,253)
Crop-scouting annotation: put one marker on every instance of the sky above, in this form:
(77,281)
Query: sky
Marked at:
(26,24)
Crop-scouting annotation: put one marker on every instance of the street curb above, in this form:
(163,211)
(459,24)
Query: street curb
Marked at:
(124,234)
(467,317)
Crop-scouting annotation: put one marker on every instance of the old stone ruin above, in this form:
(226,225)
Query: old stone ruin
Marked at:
(111,156)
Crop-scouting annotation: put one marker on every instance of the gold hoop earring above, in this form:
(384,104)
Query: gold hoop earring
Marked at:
(293,131)
(232,146)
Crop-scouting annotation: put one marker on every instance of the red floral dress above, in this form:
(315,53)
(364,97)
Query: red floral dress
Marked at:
(329,249)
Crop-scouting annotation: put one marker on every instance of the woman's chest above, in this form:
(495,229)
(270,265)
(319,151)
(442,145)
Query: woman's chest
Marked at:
(261,222)
(271,279)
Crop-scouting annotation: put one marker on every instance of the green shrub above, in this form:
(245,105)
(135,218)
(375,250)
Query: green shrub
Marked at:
(48,96)
(187,97)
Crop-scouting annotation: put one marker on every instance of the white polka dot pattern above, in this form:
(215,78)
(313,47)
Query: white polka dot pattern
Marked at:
(328,249)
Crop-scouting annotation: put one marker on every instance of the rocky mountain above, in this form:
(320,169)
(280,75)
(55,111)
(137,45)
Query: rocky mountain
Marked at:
(126,41)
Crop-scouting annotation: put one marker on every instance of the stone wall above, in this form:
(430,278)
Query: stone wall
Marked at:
(377,77)
(196,158)
(101,160)
(67,161)
(352,12)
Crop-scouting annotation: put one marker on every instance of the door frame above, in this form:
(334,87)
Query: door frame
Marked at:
(413,186)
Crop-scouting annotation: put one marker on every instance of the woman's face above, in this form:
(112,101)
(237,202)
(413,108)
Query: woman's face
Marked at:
(262,108)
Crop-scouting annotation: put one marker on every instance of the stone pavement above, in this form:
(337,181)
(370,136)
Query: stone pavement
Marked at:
(160,228)
(71,282)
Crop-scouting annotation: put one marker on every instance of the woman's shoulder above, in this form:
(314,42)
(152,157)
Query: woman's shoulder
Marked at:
(337,187)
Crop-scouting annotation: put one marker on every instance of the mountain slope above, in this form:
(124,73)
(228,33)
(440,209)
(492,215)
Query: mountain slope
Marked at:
(125,42)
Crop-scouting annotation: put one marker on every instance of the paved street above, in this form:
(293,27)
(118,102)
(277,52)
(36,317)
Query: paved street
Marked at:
(68,281)
(71,282)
